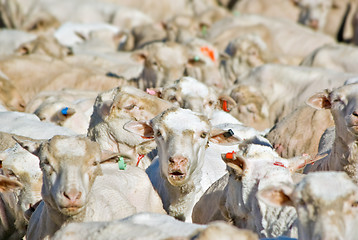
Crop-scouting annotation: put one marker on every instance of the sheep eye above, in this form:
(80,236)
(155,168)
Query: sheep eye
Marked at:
(10,173)
(172,99)
(355,204)
(159,134)
(203,135)
(130,107)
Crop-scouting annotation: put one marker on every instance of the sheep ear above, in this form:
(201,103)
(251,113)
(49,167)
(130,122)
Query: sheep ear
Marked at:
(32,146)
(227,103)
(141,128)
(320,101)
(224,137)
(299,162)
(235,161)
(155,91)
(65,113)
(140,55)
(276,196)
(107,155)
(7,184)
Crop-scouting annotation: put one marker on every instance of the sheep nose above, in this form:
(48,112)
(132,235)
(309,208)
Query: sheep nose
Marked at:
(313,23)
(178,160)
(355,113)
(73,195)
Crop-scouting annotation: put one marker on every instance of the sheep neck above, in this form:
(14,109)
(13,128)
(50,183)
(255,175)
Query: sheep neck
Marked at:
(183,198)
(345,157)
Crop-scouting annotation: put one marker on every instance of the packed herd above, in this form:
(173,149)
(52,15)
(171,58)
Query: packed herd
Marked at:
(181,120)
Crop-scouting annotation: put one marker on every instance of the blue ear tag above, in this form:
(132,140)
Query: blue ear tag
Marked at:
(121,164)
(64,111)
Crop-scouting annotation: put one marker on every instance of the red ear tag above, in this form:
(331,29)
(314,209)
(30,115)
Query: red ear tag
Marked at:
(280,164)
(209,52)
(140,156)
(225,106)
(230,155)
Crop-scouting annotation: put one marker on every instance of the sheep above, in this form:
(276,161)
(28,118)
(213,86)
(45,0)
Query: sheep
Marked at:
(152,226)
(251,167)
(20,166)
(326,204)
(271,91)
(342,103)
(29,125)
(190,93)
(182,171)
(338,57)
(10,226)
(70,108)
(114,108)
(76,187)
(300,131)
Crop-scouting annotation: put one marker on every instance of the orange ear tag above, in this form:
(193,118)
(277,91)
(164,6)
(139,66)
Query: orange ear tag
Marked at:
(225,106)
(230,155)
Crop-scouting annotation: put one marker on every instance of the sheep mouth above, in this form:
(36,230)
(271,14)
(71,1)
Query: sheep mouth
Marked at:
(70,210)
(176,176)
(354,129)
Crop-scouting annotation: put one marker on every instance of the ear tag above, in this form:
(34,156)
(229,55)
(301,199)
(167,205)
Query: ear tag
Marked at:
(230,155)
(64,111)
(204,30)
(196,58)
(121,164)
(228,134)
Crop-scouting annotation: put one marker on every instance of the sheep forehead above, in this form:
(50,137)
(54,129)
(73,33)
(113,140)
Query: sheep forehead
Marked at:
(192,87)
(136,95)
(258,152)
(180,120)
(326,186)
(69,147)
(170,55)
(20,161)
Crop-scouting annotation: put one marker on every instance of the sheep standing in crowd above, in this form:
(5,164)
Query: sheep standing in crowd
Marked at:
(77,187)
(322,213)
(182,171)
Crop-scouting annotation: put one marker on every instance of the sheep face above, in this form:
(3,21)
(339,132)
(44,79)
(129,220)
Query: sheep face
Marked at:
(181,136)
(343,103)
(326,204)
(70,166)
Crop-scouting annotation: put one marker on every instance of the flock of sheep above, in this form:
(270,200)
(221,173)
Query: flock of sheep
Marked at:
(186,119)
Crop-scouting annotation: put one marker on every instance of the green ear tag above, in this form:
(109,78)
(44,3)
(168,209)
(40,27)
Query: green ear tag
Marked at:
(121,164)
(204,30)
(196,58)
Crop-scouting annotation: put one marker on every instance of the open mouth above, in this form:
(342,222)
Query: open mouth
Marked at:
(177,176)
(354,129)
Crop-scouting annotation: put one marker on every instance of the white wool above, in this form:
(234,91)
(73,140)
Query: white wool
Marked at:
(65,147)
(20,160)
(29,125)
(66,34)
(184,119)
(192,87)
(321,185)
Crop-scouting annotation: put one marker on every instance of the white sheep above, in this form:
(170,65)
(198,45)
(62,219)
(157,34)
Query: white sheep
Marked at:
(76,187)
(343,103)
(114,108)
(151,226)
(183,170)
(326,204)
(232,198)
